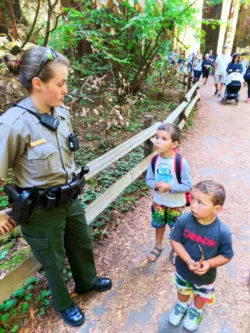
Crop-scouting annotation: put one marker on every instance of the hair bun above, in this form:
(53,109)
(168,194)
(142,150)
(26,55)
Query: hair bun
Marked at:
(12,63)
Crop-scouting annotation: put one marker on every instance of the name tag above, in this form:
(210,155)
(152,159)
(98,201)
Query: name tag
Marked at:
(38,142)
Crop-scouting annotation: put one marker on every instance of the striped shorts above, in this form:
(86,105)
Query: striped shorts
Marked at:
(205,292)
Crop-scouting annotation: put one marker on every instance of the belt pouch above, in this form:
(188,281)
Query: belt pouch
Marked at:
(49,199)
(22,210)
(64,194)
(75,189)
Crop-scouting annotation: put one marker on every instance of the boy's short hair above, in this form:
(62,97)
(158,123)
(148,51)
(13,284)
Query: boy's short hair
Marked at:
(172,129)
(215,190)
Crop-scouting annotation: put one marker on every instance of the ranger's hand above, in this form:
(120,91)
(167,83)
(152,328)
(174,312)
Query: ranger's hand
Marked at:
(7,224)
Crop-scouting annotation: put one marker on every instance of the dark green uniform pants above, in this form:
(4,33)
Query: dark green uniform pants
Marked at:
(53,234)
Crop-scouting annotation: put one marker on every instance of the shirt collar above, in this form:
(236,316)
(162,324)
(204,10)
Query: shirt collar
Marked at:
(59,111)
(28,103)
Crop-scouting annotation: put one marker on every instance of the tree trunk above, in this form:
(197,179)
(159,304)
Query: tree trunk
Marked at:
(242,36)
(51,8)
(17,11)
(12,19)
(84,46)
(3,23)
(232,20)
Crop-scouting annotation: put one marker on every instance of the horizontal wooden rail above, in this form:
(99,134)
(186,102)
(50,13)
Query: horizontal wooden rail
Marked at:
(175,114)
(188,110)
(14,279)
(189,95)
(115,154)
(102,202)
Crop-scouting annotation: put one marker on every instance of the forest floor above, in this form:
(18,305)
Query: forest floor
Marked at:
(142,295)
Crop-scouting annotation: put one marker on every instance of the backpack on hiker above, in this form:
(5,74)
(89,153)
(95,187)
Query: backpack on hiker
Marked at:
(247,75)
(177,170)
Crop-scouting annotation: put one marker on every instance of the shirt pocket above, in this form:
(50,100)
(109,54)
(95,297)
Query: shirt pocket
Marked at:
(42,160)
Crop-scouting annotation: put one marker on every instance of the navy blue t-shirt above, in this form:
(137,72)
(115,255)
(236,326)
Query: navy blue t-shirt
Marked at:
(214,238)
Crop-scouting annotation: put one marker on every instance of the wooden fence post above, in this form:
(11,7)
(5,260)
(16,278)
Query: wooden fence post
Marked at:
(148,144)
(189,81)
(182,94)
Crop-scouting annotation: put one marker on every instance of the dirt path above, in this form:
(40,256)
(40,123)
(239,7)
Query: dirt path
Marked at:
(217,147)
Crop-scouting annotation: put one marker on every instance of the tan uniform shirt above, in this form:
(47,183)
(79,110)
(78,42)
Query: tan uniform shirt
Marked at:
(39,156)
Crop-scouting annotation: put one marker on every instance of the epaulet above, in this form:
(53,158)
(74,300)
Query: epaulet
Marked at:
(12,115)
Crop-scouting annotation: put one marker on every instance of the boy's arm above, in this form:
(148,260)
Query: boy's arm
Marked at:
(175,241)
(150,177)
(184,255)
(186,180)
(225,253)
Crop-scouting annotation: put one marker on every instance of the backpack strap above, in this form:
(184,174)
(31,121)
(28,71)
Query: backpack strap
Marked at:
(178,166)
(153,162)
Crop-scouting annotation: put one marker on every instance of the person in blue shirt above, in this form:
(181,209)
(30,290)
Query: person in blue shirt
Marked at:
(235,65)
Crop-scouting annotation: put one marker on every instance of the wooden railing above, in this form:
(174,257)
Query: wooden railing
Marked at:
(14,279)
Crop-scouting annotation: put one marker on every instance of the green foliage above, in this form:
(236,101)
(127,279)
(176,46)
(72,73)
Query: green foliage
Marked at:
(14,260)
(19,304)
(15,329)
(127,40)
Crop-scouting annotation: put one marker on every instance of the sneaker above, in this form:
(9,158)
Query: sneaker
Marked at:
(248,100)
(219,95)
(192,319)
(216,91)
(177,314)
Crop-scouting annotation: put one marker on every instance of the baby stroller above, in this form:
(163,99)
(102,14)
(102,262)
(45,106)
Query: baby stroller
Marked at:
(233,84)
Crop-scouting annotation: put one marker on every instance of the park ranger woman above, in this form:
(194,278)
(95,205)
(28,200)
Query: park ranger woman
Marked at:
(37,142)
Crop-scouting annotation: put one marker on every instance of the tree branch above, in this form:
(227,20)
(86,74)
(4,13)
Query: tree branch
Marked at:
(56,23)
(33,25)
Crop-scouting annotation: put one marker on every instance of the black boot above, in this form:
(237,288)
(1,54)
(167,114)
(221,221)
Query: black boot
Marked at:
(102,284)
(73,316)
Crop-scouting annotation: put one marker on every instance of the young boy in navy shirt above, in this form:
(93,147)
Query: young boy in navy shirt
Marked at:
(202,243)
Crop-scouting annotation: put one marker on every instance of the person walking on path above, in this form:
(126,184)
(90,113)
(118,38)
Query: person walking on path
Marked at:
(169,195)
(190,60)
(247,79)
(235,65)
(181,62)
(244,62)
(212,59)
(202,243)
(206,66)
(38,143)
(197,68)
(221,63)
